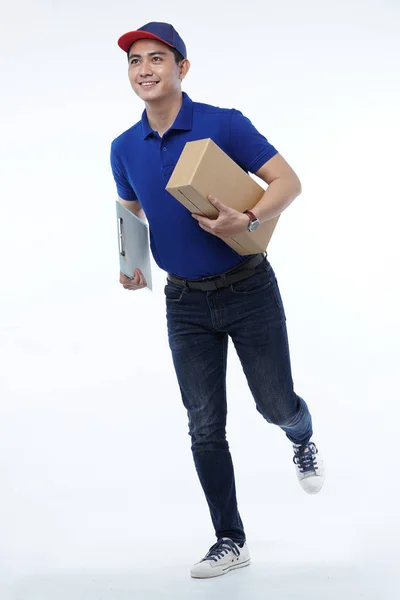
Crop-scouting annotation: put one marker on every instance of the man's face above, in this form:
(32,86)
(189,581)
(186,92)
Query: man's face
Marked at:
(153,72)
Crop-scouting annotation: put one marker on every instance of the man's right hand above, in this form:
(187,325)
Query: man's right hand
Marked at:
(137,283)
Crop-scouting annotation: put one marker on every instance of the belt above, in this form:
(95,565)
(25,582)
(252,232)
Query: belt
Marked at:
(245,269)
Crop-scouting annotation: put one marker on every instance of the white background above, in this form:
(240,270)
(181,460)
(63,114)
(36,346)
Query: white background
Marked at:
(98,494)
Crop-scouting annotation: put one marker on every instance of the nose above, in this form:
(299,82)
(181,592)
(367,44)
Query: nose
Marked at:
(145,69)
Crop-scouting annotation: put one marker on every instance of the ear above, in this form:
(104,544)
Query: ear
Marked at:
(184,67)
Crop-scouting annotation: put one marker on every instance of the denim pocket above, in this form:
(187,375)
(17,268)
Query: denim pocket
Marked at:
(173,293)
(257,282)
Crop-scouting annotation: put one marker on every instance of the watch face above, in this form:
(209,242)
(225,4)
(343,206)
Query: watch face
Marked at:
(253,225)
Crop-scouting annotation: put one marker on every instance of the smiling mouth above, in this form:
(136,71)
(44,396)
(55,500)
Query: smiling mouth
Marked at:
(148,83)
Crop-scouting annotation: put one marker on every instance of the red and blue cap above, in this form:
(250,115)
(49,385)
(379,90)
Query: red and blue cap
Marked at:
(164,32)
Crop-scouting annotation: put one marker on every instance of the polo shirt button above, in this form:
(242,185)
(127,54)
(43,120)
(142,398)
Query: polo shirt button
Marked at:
(164,148)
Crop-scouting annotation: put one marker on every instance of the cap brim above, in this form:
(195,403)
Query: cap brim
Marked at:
(126,40)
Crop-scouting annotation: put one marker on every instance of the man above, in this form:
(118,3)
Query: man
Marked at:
(212,293)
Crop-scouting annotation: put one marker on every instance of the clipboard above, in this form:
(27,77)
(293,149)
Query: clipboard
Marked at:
(133,244)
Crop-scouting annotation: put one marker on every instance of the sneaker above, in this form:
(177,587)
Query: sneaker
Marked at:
(224,556)
(309,467)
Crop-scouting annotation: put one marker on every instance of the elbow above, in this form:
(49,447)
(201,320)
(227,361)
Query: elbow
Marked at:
(297,187)
(292,184)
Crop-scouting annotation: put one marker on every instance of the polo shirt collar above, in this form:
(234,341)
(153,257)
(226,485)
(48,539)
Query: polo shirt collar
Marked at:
(183,121)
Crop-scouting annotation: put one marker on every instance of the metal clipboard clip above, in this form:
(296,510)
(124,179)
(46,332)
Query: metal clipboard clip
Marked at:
(121,240)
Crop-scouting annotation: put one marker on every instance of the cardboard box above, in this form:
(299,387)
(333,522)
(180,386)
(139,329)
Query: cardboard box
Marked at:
(203,169)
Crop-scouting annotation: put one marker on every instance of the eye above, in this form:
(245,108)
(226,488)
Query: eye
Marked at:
(156,58)
(134,61)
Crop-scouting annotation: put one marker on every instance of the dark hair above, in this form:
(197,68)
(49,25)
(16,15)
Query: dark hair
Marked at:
(178,56)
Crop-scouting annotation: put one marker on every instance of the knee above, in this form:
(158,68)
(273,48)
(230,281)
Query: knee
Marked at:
(208,438)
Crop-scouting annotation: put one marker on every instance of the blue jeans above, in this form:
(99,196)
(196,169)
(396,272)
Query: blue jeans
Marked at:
(199,323)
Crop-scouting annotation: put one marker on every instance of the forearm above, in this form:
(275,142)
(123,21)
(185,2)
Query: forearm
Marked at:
(277,197)
(134,207)
(140,214)
(137,210)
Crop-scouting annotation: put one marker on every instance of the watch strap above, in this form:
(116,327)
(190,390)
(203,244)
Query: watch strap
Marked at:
(251,215)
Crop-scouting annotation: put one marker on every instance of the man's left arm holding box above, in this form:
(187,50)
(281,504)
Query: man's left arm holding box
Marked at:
(253,152)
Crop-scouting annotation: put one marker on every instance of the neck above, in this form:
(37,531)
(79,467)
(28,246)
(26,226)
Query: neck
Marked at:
(162,113)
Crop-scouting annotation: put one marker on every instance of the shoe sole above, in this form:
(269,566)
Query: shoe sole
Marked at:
(223,571)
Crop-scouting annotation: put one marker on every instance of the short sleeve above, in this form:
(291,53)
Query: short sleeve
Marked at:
(124,188)
(250,149)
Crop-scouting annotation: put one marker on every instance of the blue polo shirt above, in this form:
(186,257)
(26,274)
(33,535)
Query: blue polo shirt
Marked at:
(142,163)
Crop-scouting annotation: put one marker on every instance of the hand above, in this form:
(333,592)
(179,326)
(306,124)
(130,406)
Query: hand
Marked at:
(137,283)
(229,222)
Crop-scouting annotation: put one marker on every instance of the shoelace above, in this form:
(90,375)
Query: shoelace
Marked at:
(221,548)
(304,457)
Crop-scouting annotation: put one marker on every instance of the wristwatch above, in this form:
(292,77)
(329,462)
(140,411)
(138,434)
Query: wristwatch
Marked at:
(254,222)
